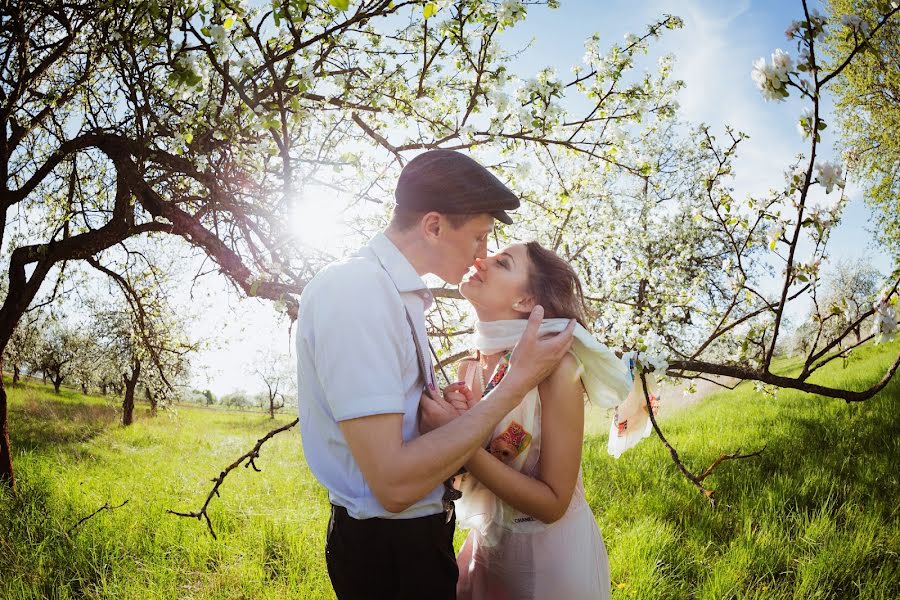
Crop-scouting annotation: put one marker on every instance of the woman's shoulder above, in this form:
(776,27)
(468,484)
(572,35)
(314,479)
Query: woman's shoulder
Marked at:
(567,373)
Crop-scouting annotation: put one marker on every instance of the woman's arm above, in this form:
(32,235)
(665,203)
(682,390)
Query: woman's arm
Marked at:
(547,497)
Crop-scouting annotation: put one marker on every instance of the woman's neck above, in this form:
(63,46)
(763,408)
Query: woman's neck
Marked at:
(485,315)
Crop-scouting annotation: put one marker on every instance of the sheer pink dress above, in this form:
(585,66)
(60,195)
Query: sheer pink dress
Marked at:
(509,555)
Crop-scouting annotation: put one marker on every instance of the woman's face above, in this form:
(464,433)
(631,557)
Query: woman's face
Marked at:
(497,286)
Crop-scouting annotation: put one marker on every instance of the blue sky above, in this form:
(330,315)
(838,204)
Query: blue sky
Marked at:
(714,53)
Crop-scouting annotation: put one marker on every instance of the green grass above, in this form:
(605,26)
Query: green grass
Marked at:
(815,517)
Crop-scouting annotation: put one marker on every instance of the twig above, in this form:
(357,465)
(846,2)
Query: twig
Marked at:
(736,455)
(106,506)
(250,457)
(696,480)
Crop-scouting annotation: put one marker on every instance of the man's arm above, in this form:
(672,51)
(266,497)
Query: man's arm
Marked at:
(548,495)
(400,474)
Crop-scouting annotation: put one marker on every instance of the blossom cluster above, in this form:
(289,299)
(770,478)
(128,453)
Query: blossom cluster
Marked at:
(772,78)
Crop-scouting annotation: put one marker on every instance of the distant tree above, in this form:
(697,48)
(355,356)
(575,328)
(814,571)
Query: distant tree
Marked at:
(84,368)
(237,399)
(58,352)
(276,374)
(23,345)
(160,392)
(840,305)
(850,289)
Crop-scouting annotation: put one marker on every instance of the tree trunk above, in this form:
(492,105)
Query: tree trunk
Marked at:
(7,477)
(16,371)
(103,387)
(151,398)
(57,381)
(271,407)
(128,402)
(44,376)
(84,389)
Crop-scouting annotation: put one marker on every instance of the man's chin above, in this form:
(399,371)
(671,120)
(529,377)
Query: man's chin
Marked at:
(454,279)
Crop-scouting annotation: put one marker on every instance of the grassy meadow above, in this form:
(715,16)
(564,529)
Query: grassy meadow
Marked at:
(816,516)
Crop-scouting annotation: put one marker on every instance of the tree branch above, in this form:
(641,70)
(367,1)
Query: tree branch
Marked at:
(250,458)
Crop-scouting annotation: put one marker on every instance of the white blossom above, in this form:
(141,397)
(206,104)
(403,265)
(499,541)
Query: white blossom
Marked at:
(775,233)
(510,12)
(782,62)
(615,134)
(856,24)
(771,79)
(792,29)
(884,326)
(829,175)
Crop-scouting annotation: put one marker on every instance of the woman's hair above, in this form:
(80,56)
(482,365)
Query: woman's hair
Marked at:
(555,285)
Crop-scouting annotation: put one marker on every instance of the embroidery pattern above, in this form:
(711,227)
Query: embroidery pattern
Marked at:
(499,372)
(511,443)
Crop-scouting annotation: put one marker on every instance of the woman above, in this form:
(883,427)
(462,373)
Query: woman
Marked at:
(533,534)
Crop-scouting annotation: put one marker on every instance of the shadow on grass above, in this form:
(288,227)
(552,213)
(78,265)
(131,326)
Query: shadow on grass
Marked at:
(44,424)
(817,511)
(53,563)
(837,452)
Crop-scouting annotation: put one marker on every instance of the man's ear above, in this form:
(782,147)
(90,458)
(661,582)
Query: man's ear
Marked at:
(524,304)
(431,225)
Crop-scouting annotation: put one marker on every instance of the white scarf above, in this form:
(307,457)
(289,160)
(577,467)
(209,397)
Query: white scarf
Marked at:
(609,381)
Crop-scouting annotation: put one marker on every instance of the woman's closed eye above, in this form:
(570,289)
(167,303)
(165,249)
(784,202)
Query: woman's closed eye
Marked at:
(503,263)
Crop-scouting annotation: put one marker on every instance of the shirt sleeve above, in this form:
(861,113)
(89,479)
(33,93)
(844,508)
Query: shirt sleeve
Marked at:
(360,328)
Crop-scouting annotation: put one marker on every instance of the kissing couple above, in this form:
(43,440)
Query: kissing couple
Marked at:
(498,450)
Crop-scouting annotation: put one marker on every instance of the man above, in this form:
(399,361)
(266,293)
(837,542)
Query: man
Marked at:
(364,369)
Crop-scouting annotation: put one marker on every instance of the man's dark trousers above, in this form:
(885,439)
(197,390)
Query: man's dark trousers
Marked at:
(393,559)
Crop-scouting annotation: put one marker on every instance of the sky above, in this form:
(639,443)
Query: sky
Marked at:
(714,53)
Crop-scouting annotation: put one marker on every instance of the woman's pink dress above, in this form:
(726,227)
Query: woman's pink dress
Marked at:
(509,555)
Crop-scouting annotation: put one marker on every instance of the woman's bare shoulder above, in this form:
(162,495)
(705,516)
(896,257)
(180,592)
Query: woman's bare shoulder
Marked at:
(566,375)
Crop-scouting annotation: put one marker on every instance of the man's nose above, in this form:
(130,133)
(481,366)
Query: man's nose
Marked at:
(482,251)
(479,264)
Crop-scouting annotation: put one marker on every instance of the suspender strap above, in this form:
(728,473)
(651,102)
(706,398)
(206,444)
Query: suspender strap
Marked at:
(426,373)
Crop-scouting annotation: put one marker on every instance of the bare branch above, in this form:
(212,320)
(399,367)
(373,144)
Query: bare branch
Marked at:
(248,460)
(106,506)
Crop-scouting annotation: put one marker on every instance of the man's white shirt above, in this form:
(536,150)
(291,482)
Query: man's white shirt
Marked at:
(356,358)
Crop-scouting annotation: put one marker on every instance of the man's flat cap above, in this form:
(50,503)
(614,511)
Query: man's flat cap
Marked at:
(450,182)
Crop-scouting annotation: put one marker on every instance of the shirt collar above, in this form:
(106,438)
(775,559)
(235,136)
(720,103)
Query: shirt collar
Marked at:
(398,267)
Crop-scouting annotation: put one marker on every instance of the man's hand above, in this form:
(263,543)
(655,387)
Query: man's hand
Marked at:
(534,358)
(456,399)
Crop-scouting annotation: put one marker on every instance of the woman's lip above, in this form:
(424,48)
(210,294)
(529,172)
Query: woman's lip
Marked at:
(476,276)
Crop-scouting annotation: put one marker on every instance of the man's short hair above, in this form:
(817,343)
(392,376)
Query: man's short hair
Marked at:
(404,219)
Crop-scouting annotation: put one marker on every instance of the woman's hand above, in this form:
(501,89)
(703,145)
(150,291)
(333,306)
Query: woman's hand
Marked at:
(456,399)
(460,396)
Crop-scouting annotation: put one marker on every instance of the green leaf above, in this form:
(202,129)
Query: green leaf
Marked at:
(802,277)
(429,10)
(228,23)
(188,137)
(340,4)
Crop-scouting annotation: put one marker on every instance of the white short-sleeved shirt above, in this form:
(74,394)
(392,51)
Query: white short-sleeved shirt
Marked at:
(355,358)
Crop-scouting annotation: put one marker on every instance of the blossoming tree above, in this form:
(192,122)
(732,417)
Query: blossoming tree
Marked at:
(207,120)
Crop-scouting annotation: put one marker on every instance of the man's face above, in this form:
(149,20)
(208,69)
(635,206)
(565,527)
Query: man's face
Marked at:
(459,247)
